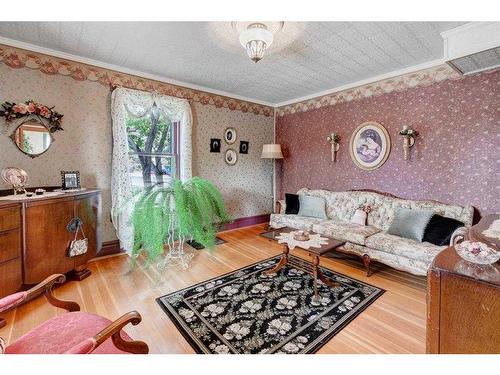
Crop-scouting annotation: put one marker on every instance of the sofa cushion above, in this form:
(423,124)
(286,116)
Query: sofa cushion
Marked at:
(293,221)
(440,229)
(404,247)
(414,266)
(410,223)
(312,206)
(345,231)
(291,204)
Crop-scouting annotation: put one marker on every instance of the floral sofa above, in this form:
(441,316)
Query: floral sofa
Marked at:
(372,242)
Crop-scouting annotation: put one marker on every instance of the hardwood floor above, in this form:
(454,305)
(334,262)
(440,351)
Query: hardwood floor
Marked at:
(395,323)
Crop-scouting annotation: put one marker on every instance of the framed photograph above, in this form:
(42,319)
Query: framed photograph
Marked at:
(243,147)
(214,144)
(230,157)
(70,180)
(370,146)
(230,135)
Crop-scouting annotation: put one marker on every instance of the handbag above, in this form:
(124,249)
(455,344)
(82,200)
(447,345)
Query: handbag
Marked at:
(78,247)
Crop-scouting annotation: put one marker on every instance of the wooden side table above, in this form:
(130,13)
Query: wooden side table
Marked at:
(463,306)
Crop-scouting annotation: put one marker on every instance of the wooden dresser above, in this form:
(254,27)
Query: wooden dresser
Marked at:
(463,306)
(34,238)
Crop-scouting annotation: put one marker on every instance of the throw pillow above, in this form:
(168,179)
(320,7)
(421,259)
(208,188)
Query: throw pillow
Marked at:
(440,229)
(359,217)
(410,223)
(312,206)
(292,203)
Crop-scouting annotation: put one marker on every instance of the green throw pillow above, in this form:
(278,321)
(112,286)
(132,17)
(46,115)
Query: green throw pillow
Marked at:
(410,223)
(312,206)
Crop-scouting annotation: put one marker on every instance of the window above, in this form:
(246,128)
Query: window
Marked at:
(153,149)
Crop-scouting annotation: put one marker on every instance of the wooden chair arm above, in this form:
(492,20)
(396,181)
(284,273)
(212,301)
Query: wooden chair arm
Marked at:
(113,331)
(46,287)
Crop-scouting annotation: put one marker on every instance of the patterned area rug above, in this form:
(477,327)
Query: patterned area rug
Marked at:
(246,311)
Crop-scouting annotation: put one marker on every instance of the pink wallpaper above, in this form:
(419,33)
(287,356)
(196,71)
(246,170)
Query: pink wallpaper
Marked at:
(456,158)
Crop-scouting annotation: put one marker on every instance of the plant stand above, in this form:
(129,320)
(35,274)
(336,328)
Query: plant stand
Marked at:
(176,256)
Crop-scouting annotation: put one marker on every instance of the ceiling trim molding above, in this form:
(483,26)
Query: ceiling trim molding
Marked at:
(19,55)
(380,77)
(401,80)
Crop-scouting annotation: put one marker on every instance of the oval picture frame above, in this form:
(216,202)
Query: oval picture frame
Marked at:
(370,146)
(230,135)
(230,157)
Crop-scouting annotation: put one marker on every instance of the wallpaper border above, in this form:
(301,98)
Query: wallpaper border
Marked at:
(18,58)
(424,77)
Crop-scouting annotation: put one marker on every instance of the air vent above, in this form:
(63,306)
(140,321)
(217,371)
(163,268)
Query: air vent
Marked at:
(477,62)
(473,47)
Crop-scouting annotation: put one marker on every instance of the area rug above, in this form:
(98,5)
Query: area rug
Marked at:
(246,311)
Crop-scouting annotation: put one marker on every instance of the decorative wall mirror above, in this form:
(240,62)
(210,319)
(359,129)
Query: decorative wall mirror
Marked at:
(32,137)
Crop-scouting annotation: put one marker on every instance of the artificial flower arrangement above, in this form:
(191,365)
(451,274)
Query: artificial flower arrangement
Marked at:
(333,138)
(408,132)
(12,111)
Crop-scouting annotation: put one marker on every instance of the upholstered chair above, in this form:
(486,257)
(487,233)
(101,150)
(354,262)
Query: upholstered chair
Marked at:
(74,332)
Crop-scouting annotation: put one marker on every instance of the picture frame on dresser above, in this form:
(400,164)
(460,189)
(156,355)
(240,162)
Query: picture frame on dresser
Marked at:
(70,180)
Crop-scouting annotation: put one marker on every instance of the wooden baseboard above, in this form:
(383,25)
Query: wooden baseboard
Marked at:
(113,247)
(246,222)
(110,248)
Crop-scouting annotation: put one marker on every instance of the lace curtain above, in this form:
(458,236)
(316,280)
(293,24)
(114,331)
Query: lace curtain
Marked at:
(127,103)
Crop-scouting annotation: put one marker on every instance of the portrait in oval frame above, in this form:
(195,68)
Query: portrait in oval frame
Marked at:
(370,146)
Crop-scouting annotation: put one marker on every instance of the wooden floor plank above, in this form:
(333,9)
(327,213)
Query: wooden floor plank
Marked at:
(395,323)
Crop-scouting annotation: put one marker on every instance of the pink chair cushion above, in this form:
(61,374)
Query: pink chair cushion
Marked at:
(12,300)
(68,332)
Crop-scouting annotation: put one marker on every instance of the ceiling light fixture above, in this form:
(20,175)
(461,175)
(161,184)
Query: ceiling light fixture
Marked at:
(256,39)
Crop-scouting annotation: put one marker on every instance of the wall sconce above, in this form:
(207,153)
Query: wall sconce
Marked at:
(409,136)
(334,140)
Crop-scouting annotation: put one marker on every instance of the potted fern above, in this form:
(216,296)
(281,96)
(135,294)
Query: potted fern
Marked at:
(165,216)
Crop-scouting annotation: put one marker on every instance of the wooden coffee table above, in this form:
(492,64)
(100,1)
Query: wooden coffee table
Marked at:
(314,252)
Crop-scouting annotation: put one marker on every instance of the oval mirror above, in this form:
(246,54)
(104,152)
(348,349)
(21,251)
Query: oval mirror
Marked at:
(32,137)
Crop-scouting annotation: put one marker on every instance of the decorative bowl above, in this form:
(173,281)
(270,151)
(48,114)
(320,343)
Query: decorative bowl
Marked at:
(300,235)
(477,252)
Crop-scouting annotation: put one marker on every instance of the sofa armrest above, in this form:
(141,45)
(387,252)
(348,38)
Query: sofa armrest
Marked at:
(280,206)
(458,235)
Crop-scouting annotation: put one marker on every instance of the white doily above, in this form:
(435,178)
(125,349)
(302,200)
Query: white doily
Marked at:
(494,230)
(315,240)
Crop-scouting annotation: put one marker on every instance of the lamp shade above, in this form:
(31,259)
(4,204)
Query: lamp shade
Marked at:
(271,151)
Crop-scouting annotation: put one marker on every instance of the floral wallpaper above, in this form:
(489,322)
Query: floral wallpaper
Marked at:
(456,158)
(85,143)
(245,186)
(424,77)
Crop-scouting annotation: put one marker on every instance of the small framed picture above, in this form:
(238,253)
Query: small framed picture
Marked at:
(231,157)
(70,180)
(230,135)
(243,147)
(214,144)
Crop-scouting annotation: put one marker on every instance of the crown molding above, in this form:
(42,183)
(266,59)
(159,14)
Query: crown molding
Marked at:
(117,68)
(380,77)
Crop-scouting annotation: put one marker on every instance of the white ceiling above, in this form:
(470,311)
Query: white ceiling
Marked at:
(305,59)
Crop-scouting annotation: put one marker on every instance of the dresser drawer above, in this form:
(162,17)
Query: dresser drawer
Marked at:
(10,245)
(10,218)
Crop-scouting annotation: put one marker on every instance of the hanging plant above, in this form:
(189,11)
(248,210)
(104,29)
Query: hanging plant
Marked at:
(13,111)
